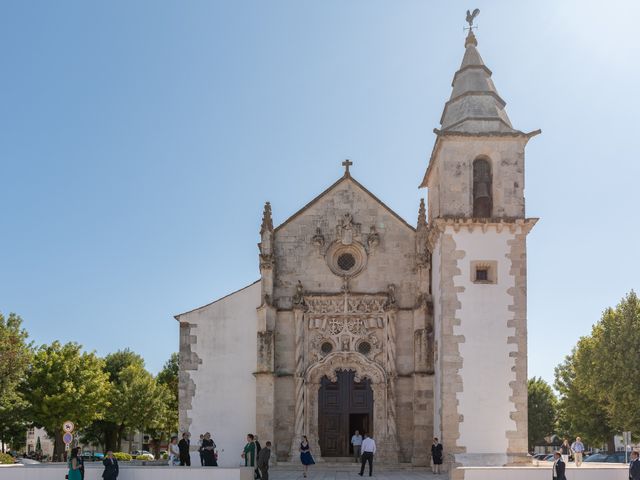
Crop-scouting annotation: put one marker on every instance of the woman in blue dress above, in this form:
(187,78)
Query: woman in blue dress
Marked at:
(305,455)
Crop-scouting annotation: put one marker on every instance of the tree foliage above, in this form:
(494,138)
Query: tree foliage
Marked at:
(598,396)
(542,410)
(168,377)
(16,354)
(64,383)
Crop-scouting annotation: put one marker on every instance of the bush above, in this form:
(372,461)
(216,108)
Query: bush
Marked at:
(144,456)
(122,457)
(5,458)
(164,456)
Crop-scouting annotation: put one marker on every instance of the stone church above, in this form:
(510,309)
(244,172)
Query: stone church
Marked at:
(363,320)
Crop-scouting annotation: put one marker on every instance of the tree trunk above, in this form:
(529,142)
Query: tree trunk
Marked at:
(58,447)
(120,432)
(110,440)
(611,445)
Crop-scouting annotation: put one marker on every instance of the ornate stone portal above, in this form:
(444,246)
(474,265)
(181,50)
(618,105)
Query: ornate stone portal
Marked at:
(346,331)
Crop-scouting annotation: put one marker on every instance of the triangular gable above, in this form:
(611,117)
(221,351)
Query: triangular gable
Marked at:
(344,178)
(177,317)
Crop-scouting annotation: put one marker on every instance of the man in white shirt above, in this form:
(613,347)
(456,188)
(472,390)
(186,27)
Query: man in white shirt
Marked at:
(368,450)
(356,441)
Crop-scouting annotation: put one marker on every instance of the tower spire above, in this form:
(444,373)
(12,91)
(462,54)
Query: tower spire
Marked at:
(422,215)
(267,222)
(475,105)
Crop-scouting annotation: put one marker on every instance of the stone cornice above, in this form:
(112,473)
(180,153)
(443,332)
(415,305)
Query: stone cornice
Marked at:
(439,225)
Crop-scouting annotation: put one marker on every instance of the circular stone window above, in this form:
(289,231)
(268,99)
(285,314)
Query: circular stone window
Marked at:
(326,347)
(346,260)
(364,348)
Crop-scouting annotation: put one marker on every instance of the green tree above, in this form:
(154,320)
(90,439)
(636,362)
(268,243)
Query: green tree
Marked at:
(110,430)
(139,402)
(542,410)
(597,395)
(613,359)
(16,354)
(64,383)
(168,423)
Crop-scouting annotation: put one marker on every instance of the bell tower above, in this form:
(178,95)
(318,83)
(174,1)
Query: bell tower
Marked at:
(477,237)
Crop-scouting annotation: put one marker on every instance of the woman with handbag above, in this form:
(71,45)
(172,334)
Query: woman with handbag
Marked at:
(208,451)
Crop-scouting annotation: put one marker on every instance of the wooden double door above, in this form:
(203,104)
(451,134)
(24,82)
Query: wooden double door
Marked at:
(344,406)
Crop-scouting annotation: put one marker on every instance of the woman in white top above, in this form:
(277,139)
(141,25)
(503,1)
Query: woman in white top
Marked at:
(174,452)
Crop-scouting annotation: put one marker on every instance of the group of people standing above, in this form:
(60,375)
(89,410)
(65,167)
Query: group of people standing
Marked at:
(180,451)
(257,456)
(76,466)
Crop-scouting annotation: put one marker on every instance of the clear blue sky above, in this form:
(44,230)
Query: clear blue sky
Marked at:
(139,140)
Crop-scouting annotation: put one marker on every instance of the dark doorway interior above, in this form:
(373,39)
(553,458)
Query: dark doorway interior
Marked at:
(360,422)
(343,407)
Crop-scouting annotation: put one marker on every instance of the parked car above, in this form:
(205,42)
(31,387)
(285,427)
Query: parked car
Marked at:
(548,458)
(617,457)
(88,456)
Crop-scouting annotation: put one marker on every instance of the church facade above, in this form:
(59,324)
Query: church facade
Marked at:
(361,320)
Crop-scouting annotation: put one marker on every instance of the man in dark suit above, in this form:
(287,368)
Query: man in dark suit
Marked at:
(183,446)
(263,461)
(558,467)
(634,466)
(111,469)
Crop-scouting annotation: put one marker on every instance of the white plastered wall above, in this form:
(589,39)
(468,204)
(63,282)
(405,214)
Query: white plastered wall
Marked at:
(225,396)
(487,367)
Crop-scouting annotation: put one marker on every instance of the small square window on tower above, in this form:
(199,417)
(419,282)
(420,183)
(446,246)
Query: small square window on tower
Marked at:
(482,274)
(484,271)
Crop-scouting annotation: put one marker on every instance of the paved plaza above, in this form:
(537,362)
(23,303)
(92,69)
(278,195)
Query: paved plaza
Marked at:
(349,472)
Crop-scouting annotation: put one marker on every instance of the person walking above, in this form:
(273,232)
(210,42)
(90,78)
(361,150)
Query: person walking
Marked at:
(209,451)
(174,452)
(249,452)
(577,448)
(558,466)
(263,461)
(436,456)
(367,453)
(565,450)
(74,466)
(183,446)
(634,466)
(356,441)
(305,455)
(111,469)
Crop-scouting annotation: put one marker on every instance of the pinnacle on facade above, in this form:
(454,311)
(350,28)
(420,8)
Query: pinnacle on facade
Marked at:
(422,215)
(474,105)
(267,222)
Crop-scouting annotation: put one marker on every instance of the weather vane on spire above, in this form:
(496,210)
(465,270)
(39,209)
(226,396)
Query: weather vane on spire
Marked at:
(471,17)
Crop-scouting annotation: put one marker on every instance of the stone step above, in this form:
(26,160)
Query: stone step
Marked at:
(348,465)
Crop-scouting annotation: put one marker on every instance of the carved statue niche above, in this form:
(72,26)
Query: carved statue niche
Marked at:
(347,230)
(373,240)
(391,302)
(298,298)
(318,238)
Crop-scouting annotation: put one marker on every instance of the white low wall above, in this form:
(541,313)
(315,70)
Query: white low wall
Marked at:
(585,472)
(127,472)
